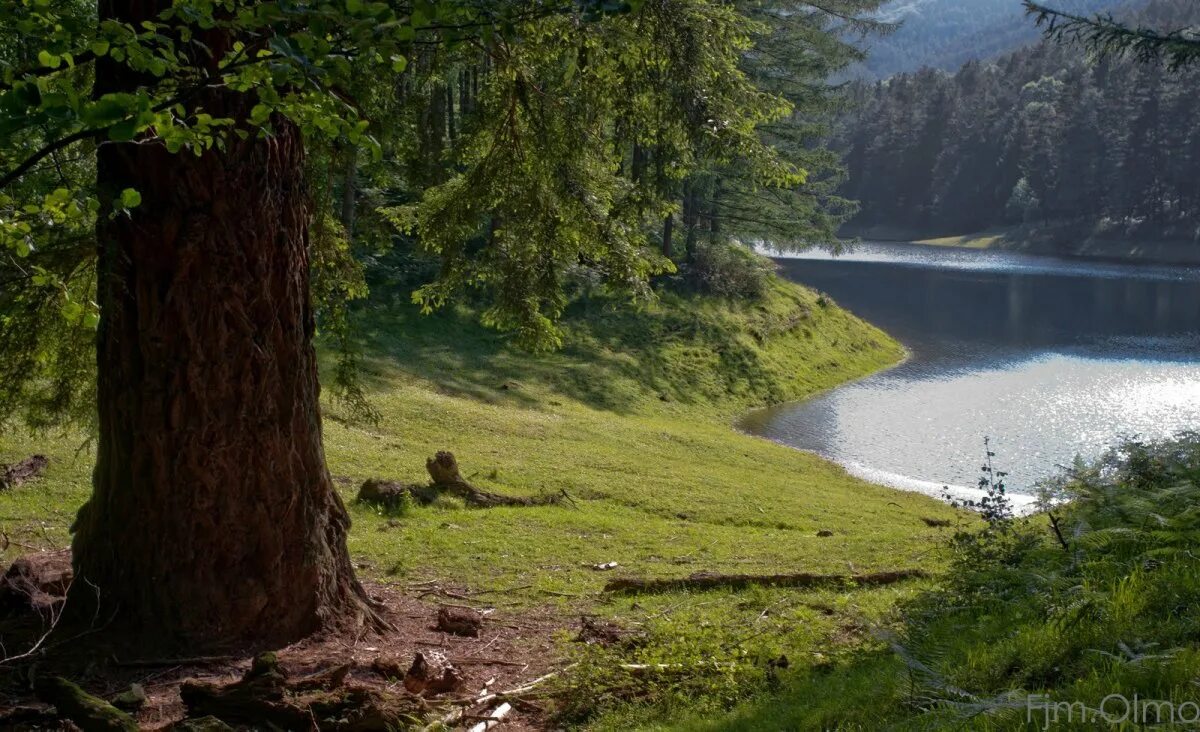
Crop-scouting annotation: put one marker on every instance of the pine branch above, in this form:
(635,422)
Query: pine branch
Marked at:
(1105,36)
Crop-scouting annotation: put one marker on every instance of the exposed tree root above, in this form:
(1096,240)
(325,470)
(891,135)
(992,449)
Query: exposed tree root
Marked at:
(712,580)
(265,697)
(89,713)
(15,474)
(37,581)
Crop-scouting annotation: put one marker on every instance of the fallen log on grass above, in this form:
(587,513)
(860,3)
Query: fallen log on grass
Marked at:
(714,580)
(388,493)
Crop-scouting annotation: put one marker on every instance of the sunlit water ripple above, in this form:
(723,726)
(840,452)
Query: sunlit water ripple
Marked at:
(1048,358)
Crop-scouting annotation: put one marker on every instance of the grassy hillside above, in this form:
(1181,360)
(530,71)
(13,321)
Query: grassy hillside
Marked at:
(633,419)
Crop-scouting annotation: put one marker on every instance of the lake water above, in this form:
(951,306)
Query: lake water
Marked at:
(1049,358)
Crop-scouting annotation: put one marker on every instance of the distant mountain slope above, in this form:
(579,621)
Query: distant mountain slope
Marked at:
(945,34)
(1043,143)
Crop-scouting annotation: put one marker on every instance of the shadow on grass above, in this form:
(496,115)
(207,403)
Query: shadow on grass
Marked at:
(864,695)
(864,692)
(614,355)
(462,358)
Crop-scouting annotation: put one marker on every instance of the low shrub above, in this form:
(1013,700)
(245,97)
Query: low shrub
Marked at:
(728,270)
(1100,596)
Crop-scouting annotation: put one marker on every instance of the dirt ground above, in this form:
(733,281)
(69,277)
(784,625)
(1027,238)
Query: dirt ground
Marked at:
(512,649)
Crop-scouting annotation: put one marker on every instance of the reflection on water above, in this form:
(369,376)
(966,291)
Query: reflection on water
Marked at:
(1050,358)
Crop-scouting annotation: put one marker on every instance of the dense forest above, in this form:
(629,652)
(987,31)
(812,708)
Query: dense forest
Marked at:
(944,34)
(1042,136)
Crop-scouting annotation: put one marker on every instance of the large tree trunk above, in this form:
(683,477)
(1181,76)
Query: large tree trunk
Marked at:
(691,221)
(350,190)
(213,519)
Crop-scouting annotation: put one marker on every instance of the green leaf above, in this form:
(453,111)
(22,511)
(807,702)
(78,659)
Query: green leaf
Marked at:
(259,114)
(72,310)
(104,112)
(123,131)
(49,60)
(130,198)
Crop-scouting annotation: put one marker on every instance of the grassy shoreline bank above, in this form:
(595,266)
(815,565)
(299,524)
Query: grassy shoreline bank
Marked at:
(634,419)
(1050,241)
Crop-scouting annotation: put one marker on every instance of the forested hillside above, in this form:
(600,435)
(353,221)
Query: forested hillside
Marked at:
(659,135)
(1042,137)
(945,34)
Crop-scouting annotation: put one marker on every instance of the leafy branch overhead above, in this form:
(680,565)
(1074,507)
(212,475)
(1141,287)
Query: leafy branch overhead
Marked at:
(301,62)
(296,58)
(522,146)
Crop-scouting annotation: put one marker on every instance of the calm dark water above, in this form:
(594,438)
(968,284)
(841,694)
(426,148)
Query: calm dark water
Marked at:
(1048,358)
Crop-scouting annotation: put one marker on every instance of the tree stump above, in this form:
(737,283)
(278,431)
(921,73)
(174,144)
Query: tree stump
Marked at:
(445,478)
(428,678)
(443,468)
(14,475)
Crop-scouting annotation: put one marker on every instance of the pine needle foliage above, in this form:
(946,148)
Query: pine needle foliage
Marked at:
(1104,35)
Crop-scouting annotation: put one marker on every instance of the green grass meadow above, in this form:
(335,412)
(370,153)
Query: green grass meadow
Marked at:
(635,420)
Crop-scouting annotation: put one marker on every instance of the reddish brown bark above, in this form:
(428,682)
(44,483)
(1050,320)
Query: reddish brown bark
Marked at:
(213,519)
